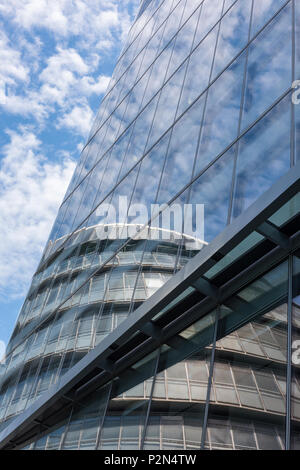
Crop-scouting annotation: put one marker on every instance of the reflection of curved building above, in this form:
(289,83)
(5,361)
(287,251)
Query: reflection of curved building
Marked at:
(207,362)
(93,311)
(247,399)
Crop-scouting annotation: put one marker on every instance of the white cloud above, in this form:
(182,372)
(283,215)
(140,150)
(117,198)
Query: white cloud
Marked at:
(89,20)
(89,85)
(79,119)
(67,79)
(53,82)
(61,66)
(84,31)
(65,84)
(29,105)
(32,188)
(12,69)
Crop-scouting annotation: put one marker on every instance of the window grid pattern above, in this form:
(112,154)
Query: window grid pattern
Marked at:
(232,154)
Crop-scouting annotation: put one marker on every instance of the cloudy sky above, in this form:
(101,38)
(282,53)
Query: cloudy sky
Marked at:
(56,58)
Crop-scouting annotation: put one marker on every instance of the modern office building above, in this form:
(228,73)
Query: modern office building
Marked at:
(149,334)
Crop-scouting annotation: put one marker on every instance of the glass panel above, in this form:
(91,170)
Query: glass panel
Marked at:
(240,250)
(167,106)
(150,171)
(295,391)
(220,126)
(152,51)
(158,73)
(287,212)
(85,420)
(183,43)
(248,397)
(199,66)
(173,22)
(297,41)
(264,156)
(210,15)
(269,72)
(233,34)
(263,12)
(297,77)
(124,422)
(139,137)
(179,395)
(216,203)
(181,154)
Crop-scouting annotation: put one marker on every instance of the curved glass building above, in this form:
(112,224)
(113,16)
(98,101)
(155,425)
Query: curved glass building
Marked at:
(175,325)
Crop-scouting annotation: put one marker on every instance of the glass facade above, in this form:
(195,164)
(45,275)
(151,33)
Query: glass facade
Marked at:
(199,111)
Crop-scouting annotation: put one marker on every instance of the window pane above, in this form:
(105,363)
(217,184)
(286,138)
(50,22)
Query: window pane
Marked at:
(263,12)
(233,34)
(199,66)
(295,393)
(264,156)
(216,202)
(269,72)
(248,397)
(220,126)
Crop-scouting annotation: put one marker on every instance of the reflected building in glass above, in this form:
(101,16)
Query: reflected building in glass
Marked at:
(157,338)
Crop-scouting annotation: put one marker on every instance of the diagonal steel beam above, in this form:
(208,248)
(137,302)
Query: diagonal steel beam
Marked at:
(271,232)
(207,288)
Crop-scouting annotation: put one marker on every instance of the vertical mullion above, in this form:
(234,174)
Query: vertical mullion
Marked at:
(289,354)
(293,121)
(67,427)
(150,402)
(208,88)
(209,383)
(229,216)
(104,416)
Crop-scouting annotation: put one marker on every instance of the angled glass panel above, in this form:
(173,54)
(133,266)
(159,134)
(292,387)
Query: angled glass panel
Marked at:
(264,156)
(198,71)
(297,77)
(150,171)
(250,369)
(233,35)
(263,12)
(210,14)
(216,201)
(180,389)
(183,43)
(221,119)
(269,70)
(190,7)
(158,73)
(85,420)
(167,106)
(152,50)
(125,418)
(173,22)
(181,153)
(139,137)
(295,386)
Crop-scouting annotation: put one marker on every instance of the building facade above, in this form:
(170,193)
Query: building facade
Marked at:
(148,334)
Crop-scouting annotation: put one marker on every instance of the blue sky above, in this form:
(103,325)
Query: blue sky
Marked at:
(56,59)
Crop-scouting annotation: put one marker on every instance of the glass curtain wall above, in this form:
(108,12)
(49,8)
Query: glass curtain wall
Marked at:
(199,111)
